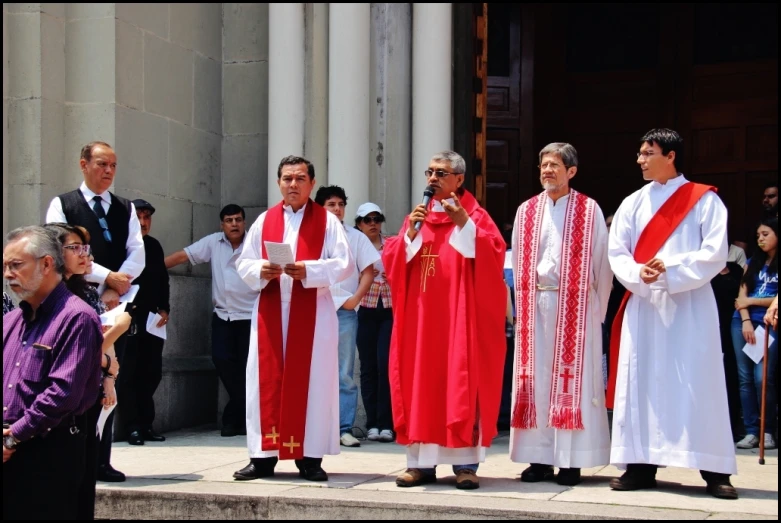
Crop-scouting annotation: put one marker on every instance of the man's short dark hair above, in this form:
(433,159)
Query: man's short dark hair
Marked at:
(86,151)
(668,140)
(295,160)
(770,185)
(230,210)
(329,191)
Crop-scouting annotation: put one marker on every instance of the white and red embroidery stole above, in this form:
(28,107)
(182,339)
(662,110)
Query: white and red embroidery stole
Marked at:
(570,345)
(529,226)
(570,341)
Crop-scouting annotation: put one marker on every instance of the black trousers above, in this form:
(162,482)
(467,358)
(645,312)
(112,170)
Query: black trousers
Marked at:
(104,450)
(143,363)
(373,340)
(42,479)
(85,509)
(230,347)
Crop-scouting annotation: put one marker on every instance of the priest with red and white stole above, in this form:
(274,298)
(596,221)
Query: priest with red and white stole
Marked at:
(292,369)
(445,271)
(667,242)
(563,282)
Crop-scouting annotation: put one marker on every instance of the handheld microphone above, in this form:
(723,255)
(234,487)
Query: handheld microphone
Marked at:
(427,194)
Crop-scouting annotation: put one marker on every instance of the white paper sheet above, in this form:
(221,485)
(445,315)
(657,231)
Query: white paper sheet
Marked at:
(104,414)
(152,328)
(279,253)
(129,295)
(109,318)
(756,351)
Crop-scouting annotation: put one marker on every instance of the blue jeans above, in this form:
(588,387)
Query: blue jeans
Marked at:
(750,376)
(348,390)
(473,467)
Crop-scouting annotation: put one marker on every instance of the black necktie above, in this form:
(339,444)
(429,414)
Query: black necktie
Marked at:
(97,207)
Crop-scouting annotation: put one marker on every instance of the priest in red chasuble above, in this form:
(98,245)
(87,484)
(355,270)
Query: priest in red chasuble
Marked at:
(563,282)
(448,343)
(292,371)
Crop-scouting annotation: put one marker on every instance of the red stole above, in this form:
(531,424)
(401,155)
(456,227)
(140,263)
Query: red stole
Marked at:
(284,381)
(570,343)
(654,236)
(448,343)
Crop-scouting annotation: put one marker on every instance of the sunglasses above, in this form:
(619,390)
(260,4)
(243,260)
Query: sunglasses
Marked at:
(373,219)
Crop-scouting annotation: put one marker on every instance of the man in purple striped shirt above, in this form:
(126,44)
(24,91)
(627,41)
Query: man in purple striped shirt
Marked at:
(51,373)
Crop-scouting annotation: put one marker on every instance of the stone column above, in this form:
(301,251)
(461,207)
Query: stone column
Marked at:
(431,88)
(348,101)
(286,104)
(33,110)
(316,131)
(391,118)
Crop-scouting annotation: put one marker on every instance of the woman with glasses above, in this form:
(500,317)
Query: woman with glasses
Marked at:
(375,323)
(78,263)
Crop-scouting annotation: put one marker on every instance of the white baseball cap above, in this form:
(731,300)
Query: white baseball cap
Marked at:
(366,209)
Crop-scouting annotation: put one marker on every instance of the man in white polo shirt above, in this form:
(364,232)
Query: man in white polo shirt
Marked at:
(347,295)
(234,303)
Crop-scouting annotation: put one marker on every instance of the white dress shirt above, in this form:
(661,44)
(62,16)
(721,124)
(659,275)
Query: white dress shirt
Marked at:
(233,300)
(364,254)
(136,257)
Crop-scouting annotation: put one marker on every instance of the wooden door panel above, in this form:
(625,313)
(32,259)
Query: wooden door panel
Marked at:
(502,164)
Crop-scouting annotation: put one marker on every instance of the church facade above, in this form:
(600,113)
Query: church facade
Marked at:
(201,101)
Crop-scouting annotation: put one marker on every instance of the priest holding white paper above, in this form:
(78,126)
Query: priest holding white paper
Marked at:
(667,241)
(292,372)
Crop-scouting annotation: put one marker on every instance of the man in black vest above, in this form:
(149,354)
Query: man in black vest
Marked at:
(117,245)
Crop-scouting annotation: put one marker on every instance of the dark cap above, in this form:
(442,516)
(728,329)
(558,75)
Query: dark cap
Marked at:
(143,204)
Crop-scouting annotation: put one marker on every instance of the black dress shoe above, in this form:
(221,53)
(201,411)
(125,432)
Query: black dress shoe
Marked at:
(135,438)
(257,468)
(536,473)
(568,477)
(108,474)
(636,477)
(151,435)
(311,469)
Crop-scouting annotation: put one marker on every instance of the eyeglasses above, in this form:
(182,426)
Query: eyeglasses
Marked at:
(16,266)
(79,249)
(551,165)
(439,173)
(106,233)
(373,219)
(646,154)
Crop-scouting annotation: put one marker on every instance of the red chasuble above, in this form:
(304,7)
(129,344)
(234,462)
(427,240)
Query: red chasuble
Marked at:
(448,343)
(284,381)
(654,236)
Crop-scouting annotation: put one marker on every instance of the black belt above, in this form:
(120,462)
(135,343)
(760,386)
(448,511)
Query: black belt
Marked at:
(75,425)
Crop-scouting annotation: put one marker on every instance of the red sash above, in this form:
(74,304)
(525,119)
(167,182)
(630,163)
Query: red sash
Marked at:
(652,239)
(284,381)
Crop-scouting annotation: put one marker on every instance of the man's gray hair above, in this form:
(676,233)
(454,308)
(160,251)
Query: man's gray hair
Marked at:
(41,242)
(565,151)
(456,161)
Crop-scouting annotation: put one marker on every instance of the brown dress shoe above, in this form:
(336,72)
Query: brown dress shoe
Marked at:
(467,479)
(414,477)
(719,485)
(636,477)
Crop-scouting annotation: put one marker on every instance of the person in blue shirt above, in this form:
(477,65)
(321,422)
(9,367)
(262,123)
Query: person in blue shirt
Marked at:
(758,289)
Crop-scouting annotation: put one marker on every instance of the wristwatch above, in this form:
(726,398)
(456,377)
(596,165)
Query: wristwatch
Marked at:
(9,442)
